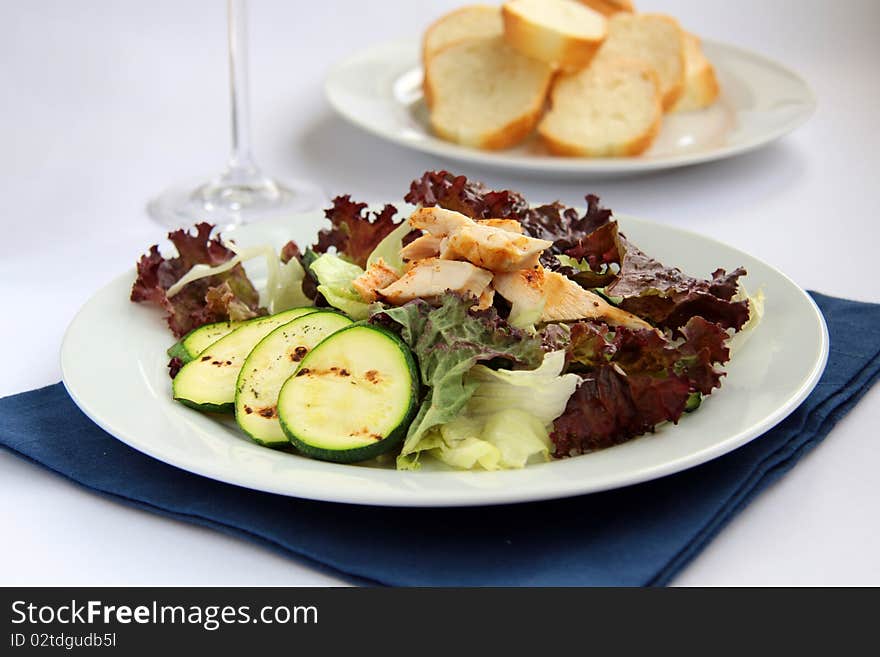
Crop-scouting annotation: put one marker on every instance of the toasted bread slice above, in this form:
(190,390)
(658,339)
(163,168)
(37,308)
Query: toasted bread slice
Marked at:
(700,85)
(610,7)
(656,39)
(562,33)
(471,22)
(611,109)
(485,94)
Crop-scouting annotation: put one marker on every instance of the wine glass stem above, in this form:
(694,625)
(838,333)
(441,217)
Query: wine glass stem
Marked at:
(241,162)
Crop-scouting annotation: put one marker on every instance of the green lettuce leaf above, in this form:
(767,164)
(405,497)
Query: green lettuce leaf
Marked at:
(506,421)
(756,314)
(389,248)
(289,294)
(353,233)
(334,282)
(525,314)
(448,341)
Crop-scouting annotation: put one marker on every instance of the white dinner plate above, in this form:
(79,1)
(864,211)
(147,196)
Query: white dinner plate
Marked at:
(380,90)
(114,367)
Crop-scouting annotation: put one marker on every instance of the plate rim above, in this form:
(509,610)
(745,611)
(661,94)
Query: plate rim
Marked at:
(468,497)
(567,165)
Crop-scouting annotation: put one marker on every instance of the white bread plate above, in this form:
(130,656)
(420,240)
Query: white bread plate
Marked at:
(380,90)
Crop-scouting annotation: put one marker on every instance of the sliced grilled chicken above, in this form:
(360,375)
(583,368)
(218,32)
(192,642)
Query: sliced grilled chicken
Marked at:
(494,248)
(563,299)
(432,278)
(566,300)
(525,287)
(510,225)
(486,298)
(437,221)
(493,244)
(440,222)
(426,246)
(377,276)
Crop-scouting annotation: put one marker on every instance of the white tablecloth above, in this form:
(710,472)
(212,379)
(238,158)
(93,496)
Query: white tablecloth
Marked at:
(107,102)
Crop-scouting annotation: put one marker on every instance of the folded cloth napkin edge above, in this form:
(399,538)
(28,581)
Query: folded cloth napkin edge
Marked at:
(769,476)
(773,466)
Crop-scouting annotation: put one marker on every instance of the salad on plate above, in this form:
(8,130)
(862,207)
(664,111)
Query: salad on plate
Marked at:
(475,330)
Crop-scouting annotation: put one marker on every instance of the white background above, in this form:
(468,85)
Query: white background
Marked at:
(104,103)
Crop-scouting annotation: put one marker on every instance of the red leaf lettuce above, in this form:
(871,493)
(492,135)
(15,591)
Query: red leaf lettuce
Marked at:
(632,380)
(353,234)
(669,298)
(229,296)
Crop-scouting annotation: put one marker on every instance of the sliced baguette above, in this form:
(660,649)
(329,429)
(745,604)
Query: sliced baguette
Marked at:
(471,22)
(485,94)
(610,7)
(611,109)
(700,85)
(657,40)
(562,33)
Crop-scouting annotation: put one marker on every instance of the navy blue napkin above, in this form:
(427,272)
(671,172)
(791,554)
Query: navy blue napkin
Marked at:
(641,535)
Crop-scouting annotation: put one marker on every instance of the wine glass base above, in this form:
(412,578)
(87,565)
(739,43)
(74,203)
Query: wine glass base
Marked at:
(228,205)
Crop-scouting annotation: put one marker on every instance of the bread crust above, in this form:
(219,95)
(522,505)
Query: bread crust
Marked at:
(514,132)
(700,93)
(427,54)
(700,90)
(675,88)
(427,85)
(610,7)
(506,136)
(567,52)
(445,17)
(635,146)
(674,93)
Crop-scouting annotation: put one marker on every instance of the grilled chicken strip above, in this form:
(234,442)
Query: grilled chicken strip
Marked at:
(524,288)
(426,246)
(432,278)
(494,248)
(486,298)
(440,222)
(510,225)
(437,221)
(494,244)
(567,300)
(430,246)
(563,299)
(377,276)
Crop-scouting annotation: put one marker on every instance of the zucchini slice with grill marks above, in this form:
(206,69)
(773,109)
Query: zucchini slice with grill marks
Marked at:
(208,382)
(199,339)
(352,397)
(275,358)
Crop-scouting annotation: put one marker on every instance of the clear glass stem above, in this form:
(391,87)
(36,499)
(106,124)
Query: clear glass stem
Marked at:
(241,159)
(242,193)
(242,183)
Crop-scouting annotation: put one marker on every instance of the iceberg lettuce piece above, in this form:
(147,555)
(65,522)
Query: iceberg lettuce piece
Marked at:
(544,391)
(289,293)
(505,423)
(389,248)
(518,435)
(524,315)
(448,341)
(335,276)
